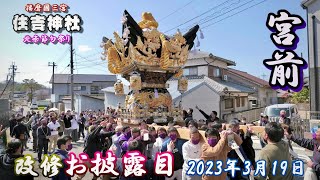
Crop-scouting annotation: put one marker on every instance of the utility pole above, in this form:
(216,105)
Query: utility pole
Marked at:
(53,64)
(71,75)
(13,69)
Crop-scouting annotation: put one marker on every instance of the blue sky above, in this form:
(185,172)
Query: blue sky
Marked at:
(243,38)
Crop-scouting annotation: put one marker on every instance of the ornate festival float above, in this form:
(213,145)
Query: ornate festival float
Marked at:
(148,58)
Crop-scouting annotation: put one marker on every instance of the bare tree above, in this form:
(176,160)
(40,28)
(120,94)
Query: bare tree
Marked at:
(31,86)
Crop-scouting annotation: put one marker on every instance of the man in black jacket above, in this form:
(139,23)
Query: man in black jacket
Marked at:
(7,162)
(43,133)
(67,122)
(137,145)
(246,149)
(81,123)
(13,122)
(35,125)
(95,143)
(213,117)
(20,131)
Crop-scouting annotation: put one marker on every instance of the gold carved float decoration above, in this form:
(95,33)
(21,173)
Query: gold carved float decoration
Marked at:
(152,48)
(147,58)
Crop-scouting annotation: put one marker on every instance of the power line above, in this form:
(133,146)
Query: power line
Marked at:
(87,60)
(91,55)
(86,63)
(82,60)
(175,11)
(235,14)
(197,16)
(64,69)
(62,56)
(104,70)
(220,14)
(227,12)
(211,17)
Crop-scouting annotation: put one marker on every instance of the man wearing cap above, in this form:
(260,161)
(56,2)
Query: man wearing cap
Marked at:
(20,131)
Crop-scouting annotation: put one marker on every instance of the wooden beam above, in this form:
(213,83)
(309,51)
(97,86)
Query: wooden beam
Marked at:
(184,132)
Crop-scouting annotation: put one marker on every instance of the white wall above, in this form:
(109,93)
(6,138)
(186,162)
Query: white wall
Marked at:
(203,70)
(88,103)
(204,97)
(218,63)
(241,108)
(61,89)
(110,99)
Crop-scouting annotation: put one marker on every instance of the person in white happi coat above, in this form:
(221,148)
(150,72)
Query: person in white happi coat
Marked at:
(191,151)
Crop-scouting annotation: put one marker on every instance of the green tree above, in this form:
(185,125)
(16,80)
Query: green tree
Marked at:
(301,97)
(31,85)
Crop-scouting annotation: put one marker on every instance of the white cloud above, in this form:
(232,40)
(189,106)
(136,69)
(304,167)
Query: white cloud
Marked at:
(84,48)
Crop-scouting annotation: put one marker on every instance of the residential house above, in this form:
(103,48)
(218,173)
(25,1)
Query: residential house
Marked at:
(208,94)
(208,87)
(204,63)
(264,95)
(87,84)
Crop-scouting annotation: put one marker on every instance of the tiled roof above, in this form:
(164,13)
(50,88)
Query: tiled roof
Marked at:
(217,86)
(83,78)
(195,82)
(249,77)
(202,54)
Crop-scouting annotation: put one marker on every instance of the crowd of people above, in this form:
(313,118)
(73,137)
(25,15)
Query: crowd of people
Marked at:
(54,133)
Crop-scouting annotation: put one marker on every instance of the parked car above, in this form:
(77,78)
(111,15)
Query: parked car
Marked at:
(273,112)
(34,107)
